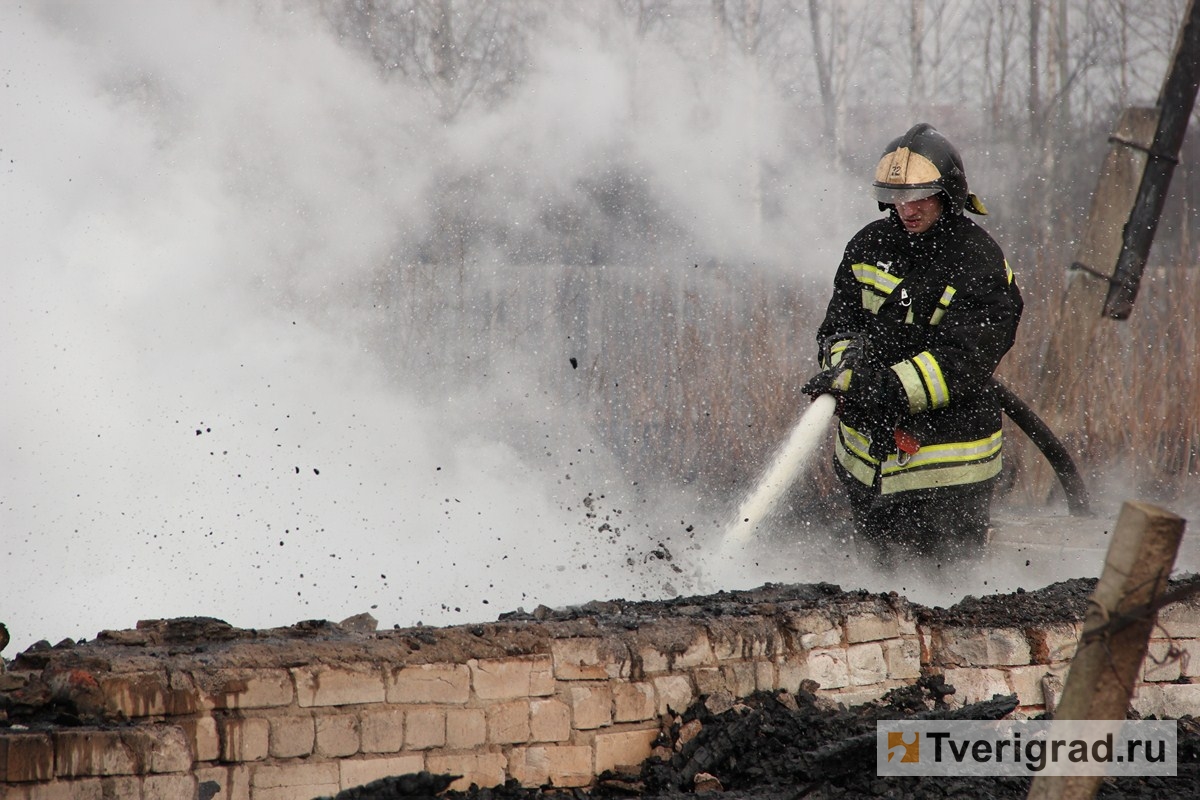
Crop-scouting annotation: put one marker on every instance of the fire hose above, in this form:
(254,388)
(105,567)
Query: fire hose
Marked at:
(1078,504)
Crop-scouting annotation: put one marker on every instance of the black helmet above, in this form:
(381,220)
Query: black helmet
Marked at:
(920,164)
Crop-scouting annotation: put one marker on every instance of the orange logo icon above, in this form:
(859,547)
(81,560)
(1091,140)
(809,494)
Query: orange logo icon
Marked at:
(909,752)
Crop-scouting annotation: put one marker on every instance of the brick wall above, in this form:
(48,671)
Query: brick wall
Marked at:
(311,710)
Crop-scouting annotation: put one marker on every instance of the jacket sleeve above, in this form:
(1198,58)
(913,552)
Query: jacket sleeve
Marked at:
(978,327)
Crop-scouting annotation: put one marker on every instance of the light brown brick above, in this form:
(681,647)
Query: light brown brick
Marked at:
(358,771)
(1180,620)
(871,627)
(382,729)
(549,720)
(1053,644)
(1180,700)
(86,753)
(292,735)
(859,695)
(424,728)
(981,647)
(295,780)
(508,723)
(218,781)
(1189,663)
(903,658)
(709,680)
(866,663)
(134,695)
(810,622)
(559,766)
(790,675)
(1148,699)
(430,683)
(739,677)
(1026,684)
(653,660)
(261,688)
(327,686)
(26,757)
(337,735)
(245,739)
(483,769)
(673,692)
(623,748)
(203,734)
(122,786)
(1161,663)
(975,685)
(161,748)
(829,638)
(466,728)
(766,677)
(166,787)
(699,653)
(578,659)
(501,678)
(634,702)
(591,705)
(829,668)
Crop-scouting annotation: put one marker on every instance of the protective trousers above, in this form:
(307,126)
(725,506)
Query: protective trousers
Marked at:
(943,524)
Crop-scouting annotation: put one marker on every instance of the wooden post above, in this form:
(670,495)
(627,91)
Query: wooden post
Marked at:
(1080,333)
(1116,631)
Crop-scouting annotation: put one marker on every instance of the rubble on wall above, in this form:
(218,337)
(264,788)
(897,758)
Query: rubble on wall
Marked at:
(547,698)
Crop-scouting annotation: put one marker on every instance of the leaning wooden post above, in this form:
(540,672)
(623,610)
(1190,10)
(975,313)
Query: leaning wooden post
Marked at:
(1116,631)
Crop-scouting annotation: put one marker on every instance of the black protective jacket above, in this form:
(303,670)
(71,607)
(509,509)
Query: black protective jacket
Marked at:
(940,309)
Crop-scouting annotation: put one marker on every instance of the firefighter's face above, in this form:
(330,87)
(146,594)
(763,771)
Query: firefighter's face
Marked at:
(919,215)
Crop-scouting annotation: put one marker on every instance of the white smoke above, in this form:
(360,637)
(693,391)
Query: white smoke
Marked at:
(195,195)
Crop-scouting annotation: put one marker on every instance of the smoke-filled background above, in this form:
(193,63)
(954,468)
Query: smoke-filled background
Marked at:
(438,309)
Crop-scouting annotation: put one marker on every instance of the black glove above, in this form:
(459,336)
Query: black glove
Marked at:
(831,381)
(877,394)
(879,399)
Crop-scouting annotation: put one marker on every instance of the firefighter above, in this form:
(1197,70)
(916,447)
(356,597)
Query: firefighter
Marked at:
(924,306)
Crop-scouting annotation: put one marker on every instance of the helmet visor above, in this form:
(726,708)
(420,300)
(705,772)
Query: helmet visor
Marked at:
(892,194)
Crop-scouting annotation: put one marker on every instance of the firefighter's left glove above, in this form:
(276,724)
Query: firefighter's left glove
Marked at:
(834,381)
(880,400)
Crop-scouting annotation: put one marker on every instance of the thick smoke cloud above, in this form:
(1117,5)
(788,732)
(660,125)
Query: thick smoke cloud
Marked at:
(198,199)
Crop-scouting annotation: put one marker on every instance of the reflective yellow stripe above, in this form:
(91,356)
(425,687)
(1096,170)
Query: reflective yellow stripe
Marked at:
(878,279)
(943,476)
(949,464)
(914,387)
(871,301)
(850,448)
(1008,271)
(943,304)
(877,284)
(949,453)
(935,382)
